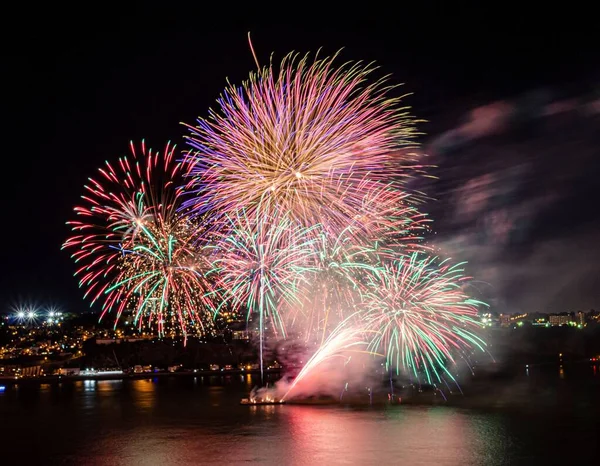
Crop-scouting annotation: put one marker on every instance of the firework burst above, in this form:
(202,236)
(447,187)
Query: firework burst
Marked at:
(387,218)
(331,285)
(161,277)
(302,140)
(136,252)
(259,261)
(421,316)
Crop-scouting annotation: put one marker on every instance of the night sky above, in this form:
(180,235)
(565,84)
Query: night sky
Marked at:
(512,103)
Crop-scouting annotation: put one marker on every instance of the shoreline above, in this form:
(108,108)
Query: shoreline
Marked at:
(54,379)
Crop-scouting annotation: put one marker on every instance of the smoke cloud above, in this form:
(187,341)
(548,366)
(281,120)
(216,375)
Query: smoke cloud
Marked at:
(515,198)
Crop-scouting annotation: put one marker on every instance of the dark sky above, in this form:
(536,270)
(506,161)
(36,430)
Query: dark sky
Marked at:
(79,84)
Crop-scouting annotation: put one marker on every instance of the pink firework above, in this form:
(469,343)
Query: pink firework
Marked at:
(419,315)
(259,260)
(136,252)
(303,140)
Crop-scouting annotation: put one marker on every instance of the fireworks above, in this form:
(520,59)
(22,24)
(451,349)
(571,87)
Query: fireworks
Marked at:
(343,340)
(161,277)
(388,219)
(421,315)
(303,140)
(301,182)
(259,261)
(136,252)
(332,285)
(332,153)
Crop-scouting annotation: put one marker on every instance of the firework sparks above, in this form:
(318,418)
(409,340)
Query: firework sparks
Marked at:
(303,140)
(302,175)
(136,251)
(259,262)
(420,315)
(388,217)
(332,283)
(160,278)
(342,341)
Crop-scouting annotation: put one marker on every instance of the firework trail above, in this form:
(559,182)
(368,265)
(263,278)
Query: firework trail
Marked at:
(304,140)
(344,339)
(258,260)
(420,316)
(136,252)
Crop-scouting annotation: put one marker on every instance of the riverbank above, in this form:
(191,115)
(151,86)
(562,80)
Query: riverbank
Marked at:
(52,379)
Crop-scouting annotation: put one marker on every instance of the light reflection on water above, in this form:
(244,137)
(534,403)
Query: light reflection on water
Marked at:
(198,420)
(143,393)
(89,385)
(313,435)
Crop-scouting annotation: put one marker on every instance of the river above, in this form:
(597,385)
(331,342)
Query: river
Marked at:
(198,420)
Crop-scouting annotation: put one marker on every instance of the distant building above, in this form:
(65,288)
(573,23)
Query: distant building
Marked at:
(110,341)
(31,371)
(515,318)
(240,335)
(580,318)
(241,331)
(540,322)
(559,319)
(504,320)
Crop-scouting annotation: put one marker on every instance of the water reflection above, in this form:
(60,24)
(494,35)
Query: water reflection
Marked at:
(182,421)
(144,393)
(89,385)
(215,395)
(326,435)
(109,386)
(314,435)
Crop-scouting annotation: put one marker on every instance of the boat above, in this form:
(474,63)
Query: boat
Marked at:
(261,402)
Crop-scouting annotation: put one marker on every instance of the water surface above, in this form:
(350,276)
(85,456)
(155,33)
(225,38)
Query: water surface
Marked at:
(199,420)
